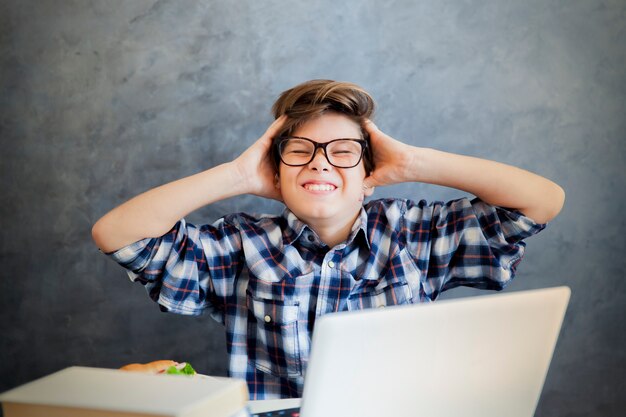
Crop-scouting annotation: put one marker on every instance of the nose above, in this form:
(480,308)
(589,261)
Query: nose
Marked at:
(320,162)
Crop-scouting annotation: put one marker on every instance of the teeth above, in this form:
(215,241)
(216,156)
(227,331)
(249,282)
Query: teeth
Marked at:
(319,187)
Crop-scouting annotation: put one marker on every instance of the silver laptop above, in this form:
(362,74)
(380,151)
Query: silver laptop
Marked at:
(482,356)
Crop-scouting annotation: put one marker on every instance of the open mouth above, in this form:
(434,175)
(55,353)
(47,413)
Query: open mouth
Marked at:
(319,187)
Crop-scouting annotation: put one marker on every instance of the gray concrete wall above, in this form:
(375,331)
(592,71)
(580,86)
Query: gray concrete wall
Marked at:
(101,100)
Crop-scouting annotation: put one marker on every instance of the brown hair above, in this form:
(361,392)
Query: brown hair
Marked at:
(316,97)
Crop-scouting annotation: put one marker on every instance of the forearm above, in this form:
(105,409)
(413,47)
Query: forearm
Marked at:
(155,212)
(493,182)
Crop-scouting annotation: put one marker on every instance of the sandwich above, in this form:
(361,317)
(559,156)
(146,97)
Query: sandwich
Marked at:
(161,367)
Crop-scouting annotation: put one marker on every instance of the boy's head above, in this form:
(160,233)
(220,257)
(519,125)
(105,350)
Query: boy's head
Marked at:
(323,187)
(314,98)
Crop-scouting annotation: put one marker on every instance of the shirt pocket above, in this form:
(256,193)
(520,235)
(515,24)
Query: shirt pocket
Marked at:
(384,294)
(272,336)
(390,289)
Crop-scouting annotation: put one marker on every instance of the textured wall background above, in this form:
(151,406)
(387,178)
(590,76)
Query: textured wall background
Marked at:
(103,100)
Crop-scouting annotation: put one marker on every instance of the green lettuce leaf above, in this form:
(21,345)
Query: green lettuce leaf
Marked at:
(187,370)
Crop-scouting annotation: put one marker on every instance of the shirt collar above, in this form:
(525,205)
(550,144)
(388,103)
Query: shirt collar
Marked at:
(296,227)
(360,225)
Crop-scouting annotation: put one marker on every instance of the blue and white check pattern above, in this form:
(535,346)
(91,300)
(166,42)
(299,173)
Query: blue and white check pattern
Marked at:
(268,278)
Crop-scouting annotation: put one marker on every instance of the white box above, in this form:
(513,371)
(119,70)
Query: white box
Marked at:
(95,392)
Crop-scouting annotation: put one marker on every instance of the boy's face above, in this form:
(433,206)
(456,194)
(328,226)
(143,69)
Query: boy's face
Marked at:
(319,193)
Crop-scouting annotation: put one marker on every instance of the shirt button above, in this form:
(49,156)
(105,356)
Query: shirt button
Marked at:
(331,264)
(311,238)
(267,318)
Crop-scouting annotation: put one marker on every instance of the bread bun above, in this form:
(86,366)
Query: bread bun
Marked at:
(154,367)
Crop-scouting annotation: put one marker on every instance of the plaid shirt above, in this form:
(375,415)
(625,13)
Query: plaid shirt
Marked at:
(268,278)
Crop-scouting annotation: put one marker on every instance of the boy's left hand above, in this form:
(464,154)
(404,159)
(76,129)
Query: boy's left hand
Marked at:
(393,159)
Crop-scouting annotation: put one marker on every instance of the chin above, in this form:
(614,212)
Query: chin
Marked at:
(316,213)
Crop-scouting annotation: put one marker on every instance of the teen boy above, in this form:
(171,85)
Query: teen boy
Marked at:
(267,278)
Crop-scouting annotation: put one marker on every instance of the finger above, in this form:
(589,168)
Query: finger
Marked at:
(377,135)
(272,131)
(370,127)
(374,132)
(276,126)
(368,183)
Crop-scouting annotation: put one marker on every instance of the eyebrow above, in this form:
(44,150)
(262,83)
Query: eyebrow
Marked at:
(312,140)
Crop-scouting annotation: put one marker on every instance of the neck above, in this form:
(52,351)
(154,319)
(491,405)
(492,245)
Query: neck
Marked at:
(332,232)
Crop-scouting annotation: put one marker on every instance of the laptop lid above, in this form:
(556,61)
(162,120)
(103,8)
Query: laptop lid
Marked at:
(483,356)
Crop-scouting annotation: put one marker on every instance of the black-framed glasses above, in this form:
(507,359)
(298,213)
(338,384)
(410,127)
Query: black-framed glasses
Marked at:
(297,151)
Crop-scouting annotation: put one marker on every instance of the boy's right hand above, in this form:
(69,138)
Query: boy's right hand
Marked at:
(154,212)
(254,167)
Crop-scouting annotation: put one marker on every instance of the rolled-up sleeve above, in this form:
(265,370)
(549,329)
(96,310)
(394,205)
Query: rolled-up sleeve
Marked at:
(467,242)
(187,270)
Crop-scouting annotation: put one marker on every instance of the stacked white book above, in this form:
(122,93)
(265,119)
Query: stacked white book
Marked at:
(94,392)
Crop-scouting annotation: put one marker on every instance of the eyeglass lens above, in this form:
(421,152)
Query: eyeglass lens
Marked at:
(343,153)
